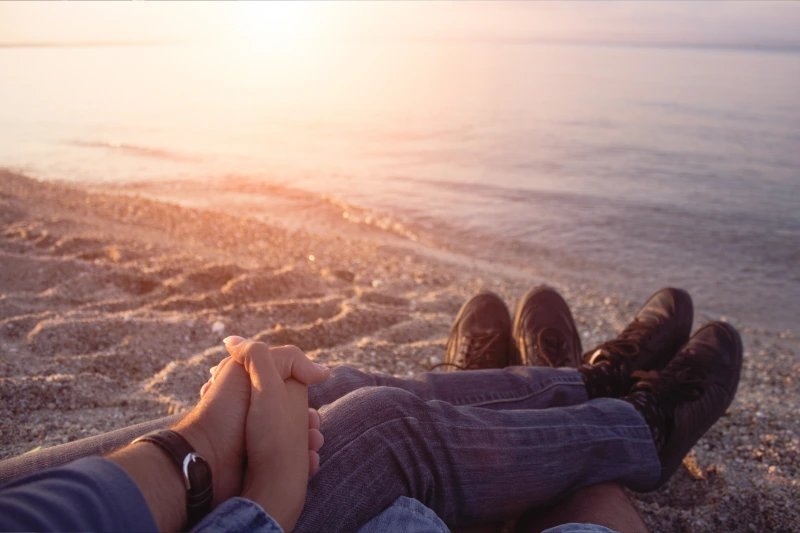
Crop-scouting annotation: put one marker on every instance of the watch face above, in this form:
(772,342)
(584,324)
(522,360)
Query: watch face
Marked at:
(197,473)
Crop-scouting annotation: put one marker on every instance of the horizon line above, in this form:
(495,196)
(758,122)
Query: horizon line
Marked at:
(784,46)
(76,44)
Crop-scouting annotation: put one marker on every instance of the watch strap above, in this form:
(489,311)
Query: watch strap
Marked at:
(193,468)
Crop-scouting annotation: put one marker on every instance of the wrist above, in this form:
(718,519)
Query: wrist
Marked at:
(198,438)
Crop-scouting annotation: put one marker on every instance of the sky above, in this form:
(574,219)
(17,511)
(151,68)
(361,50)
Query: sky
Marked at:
(728,22)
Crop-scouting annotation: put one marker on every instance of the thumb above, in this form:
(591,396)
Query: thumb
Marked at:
(291,362)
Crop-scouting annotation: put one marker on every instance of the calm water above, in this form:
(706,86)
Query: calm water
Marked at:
(633,167)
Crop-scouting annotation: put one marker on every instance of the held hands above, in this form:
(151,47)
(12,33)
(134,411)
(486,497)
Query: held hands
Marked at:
(280,434)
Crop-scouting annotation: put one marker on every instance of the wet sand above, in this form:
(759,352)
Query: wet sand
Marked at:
(113,307)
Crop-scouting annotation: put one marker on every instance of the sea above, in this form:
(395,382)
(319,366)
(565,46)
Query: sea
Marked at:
(630,166)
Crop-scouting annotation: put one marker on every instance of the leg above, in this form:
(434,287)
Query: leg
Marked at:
(605,504)
(472,465)
(405,515)
(481,340)
(468,464)
(517,387)
(544,333)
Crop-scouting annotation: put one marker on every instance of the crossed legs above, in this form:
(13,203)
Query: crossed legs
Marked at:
(468,464)
(485,446)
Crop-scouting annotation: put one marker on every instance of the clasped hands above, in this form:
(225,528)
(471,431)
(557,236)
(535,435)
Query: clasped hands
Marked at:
(256,406)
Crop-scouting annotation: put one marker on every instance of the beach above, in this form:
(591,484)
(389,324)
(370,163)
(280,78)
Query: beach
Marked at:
(114,304)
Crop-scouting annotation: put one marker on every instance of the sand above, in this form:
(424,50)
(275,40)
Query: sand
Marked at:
(113,307)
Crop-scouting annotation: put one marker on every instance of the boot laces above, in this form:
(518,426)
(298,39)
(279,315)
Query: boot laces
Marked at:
(552,346)
(476,352)
(684,379)
(626,346)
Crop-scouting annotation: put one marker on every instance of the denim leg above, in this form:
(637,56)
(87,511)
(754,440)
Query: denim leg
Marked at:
(514,387)
(405,515)
(237,515)
(468,464)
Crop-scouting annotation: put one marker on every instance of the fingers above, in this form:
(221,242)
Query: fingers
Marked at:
(313,463)
(315,440)
(313,418)
(289,361)
(224,376)
(214,371)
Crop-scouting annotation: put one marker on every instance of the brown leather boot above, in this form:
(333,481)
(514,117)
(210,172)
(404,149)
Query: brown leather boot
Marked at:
(544,331)
(649,342)
(481,335)
(682,402)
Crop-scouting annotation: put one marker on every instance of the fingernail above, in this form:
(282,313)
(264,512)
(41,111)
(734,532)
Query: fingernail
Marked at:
(233,340)
(212,370)
(322,367)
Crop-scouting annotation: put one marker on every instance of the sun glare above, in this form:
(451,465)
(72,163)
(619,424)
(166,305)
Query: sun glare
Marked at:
(275,23)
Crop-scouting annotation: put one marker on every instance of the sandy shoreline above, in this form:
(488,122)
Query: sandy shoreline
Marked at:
(112,308)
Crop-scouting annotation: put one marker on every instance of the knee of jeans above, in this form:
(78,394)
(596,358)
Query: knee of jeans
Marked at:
(341,380)
(366,408)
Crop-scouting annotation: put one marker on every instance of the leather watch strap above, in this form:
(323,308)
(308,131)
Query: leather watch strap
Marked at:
(194,470)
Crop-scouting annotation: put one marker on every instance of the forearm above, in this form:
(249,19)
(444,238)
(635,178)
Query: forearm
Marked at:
(159,482)
(91,494)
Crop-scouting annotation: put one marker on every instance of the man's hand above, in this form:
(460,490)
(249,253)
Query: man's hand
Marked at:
(281,435)
(216,430)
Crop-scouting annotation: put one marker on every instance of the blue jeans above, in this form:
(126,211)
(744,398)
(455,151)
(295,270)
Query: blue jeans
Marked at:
(405,515)
(474,447)
(410,516)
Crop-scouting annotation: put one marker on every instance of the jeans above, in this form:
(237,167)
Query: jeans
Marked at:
(405,515)
(474,447)
(410,516)
(237,515)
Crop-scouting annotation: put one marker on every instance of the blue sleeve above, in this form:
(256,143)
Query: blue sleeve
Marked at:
(91,494)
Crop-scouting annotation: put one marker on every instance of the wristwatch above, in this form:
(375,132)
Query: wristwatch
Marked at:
(194,470)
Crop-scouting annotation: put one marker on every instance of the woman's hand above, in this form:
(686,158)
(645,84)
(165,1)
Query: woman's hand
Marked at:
(281,434)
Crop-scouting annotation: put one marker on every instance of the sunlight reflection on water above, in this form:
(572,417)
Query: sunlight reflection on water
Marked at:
(655,165)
